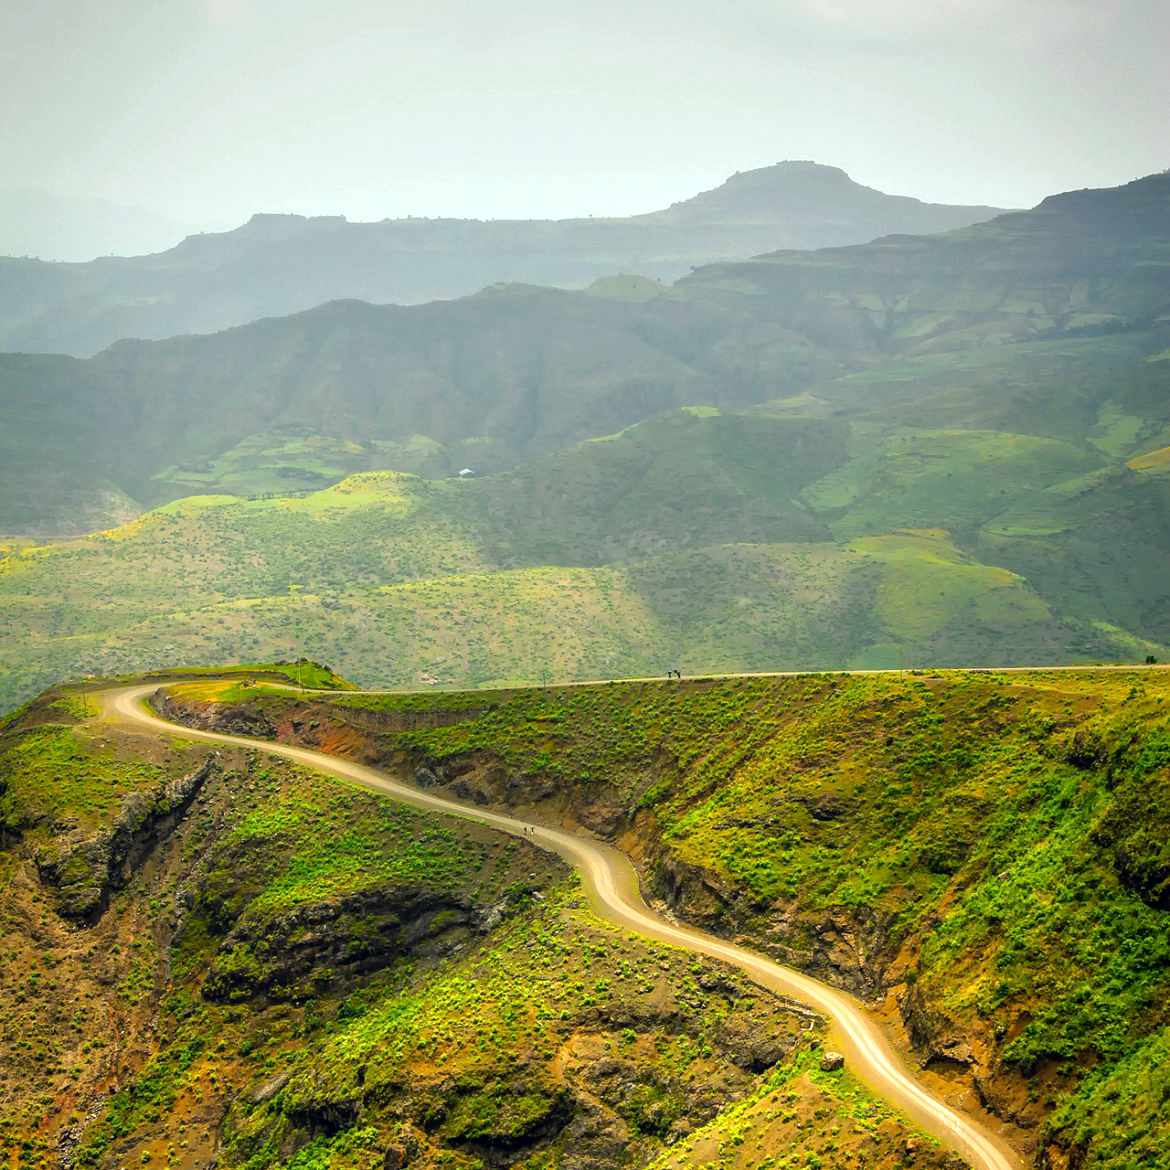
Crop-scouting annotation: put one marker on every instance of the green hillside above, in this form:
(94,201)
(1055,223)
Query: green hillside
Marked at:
(700,539)
(511,374)
(984,855)
(925,450)
(519,371)
(954,478)
(215,958)
(1082,263)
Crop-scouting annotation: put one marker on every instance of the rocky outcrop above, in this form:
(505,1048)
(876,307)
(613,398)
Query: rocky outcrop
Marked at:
(84,870)
(1057,1157)
(299,954)
(935,1037)
(750,1048)
(226,718)
(482,778)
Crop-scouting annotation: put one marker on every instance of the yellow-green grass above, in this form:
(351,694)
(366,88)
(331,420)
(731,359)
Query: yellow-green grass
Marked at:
(245,1036)
(1155,462)
(996,844)
(902,599)
(928,583)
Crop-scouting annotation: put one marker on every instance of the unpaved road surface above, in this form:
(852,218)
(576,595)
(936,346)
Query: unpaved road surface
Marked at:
(612,886)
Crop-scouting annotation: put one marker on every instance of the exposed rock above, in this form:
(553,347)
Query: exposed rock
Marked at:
(84,871)
(481,777)
(832,1061)
(403,1148)
(827,807)
(270,1088)
(231,720)
(606,817)
(690,890)
(749,1047)
(1057,1157)
(296,955)
(936,1037)
(594,1137)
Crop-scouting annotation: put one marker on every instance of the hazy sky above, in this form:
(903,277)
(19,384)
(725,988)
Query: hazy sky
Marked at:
(208,110)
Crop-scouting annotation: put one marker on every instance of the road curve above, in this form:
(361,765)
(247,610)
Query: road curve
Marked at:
(612,886)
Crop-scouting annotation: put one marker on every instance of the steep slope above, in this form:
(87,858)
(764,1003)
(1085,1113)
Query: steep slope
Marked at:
(212,958)
(509,374)
(1081,262)
(983,855)
(280,264)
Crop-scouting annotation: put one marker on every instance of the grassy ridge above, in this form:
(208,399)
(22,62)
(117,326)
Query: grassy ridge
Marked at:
(881,601)
(302,974)
(989,853)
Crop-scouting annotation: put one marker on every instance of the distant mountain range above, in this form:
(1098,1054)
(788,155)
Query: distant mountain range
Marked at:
(280,264)
(518,371)
(936,449)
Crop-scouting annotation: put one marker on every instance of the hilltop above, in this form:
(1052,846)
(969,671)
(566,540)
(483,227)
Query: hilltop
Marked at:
(215,957)
(302,973)
(1080,263)
(280,264)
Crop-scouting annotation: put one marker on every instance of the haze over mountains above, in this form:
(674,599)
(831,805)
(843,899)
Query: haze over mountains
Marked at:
(943,449)
(594,664)
(43,225)
(279,264)
(922,450)
(517,371)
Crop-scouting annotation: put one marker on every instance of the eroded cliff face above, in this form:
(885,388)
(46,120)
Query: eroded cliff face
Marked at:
(85,868)
(852,947)
(220,959)
(982,857)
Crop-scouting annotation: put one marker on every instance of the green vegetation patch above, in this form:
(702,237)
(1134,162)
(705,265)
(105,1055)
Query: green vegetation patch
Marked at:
(955,479)
(1006,835)
(54,767)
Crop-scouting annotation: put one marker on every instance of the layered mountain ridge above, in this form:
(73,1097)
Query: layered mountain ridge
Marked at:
(279,264)
(946,449)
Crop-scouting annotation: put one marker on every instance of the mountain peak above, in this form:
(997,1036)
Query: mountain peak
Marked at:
(795,190)
(277,225)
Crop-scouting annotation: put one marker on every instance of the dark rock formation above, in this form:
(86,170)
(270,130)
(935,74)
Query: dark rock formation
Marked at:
(85,870)
(298,954)
(230,720)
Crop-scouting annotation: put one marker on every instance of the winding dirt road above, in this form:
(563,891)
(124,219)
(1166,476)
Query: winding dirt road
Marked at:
(612,886)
